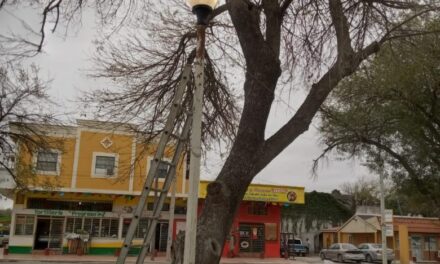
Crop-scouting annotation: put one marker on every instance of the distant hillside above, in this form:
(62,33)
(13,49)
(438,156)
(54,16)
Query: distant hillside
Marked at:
(320,209)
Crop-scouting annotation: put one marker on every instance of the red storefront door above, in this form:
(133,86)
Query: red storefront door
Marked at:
(251,239)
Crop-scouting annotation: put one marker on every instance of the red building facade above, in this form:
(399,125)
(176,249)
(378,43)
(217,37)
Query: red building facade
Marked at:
(255,231)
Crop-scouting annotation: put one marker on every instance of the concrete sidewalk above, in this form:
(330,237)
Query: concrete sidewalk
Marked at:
(158,260)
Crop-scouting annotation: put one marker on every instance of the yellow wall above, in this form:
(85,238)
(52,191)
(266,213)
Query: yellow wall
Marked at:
(90,142)
(146,154)
(357,238)
(67,149)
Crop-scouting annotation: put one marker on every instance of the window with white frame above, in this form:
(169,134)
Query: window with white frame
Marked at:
(162,169)
(47,161)
(24,225)
(96,227)
(104,164)
(141,229)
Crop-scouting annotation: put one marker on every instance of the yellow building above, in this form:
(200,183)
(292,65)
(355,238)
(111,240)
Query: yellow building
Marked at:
(87,184)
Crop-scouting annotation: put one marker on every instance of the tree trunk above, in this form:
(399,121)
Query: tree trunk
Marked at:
(225,194)
(250,152)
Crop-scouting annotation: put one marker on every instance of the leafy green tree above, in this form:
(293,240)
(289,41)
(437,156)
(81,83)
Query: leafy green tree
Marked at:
(389,112)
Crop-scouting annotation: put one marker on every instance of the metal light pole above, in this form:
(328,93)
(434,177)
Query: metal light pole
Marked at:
(202,9)
(382,213)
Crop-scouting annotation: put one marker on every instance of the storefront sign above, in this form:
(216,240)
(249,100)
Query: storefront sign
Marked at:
(69,213)
(49,212)
(267,193)
(388,215)
(389,229)
(87,213)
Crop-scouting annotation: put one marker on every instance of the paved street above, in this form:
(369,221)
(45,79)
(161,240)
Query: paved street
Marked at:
(66,259)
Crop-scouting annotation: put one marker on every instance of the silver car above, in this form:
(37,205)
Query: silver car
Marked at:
(342,252)
(373,252)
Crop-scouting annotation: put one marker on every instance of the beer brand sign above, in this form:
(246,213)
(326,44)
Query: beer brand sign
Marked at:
(267,193)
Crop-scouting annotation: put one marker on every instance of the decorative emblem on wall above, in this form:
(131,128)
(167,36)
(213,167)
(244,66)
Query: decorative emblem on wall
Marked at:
(106,142)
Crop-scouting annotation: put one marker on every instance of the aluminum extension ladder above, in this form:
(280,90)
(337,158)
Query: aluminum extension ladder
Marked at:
(173,131)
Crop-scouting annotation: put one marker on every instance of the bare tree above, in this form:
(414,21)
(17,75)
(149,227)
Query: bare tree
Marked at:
(23,105)
(327,40)
(364,191)
(274,42)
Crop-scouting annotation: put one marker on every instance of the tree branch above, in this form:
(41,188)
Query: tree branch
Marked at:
(300,122)
(245,17)
(284,6)
(388,34)
(2,3)
(273,25)
(53,4)
(392,153)
(341,26)
(219,10)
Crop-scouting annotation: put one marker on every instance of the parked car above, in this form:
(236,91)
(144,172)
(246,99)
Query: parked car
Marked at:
(373,252)
(295,247)
(4,238)
(342,252)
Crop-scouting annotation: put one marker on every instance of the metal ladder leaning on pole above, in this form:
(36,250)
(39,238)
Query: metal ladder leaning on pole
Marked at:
(167,135)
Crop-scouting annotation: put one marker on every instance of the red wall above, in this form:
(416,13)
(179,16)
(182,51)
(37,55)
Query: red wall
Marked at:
(272,248)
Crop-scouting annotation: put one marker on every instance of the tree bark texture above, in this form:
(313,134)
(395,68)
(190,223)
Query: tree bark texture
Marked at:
(226,193)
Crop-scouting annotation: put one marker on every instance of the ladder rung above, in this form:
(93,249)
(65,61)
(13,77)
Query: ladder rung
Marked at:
(158,190)
(178,137)
(169,163)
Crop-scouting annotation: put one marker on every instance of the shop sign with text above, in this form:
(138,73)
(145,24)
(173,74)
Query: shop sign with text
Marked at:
(267,193)
(49,212)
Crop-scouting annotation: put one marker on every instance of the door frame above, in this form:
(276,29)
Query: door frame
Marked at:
(50,218)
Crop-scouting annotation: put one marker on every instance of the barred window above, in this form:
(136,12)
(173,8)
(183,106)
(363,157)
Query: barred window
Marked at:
(257,208)
(109,228)
(88,225)
(430,243)
(96,227)
(24,225)
(141,229)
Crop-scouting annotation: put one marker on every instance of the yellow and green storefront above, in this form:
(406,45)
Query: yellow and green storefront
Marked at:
(48,221)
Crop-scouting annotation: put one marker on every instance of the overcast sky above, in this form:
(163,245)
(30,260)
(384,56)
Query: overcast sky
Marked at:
(66,60)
